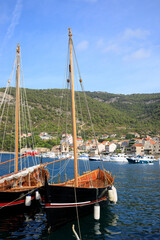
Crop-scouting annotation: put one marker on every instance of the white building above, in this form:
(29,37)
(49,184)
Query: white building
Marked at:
(101,147)
(45,136)
(110,147)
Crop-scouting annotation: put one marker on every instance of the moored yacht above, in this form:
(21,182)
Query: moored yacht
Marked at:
(146,159)
(120,157)
(83,156)
(95,158)
(106,158)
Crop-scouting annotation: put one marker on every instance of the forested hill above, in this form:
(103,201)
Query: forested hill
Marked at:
(143,108)
(110,113)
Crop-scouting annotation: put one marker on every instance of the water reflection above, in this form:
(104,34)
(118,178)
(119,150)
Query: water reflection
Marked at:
(135,216)
(97,228)
(16,225)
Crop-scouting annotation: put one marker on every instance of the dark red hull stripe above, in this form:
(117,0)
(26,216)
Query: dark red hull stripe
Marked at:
(78,204)
(13,203)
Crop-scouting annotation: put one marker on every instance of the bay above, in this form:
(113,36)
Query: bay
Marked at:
(135,216)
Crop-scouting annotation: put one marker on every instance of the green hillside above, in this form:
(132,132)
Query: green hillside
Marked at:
(144,109)
(110,113)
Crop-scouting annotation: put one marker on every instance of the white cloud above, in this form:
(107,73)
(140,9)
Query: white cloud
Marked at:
(137,33)
(126,44)
(113,47)
(139,54)
(82,45)
(109,47)
(15,19)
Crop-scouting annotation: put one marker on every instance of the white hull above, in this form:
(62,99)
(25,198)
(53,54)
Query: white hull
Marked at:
(106,159)
(83,158)
(119,158)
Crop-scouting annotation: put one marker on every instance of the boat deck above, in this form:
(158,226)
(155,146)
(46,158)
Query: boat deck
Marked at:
(95,179)
(97,183)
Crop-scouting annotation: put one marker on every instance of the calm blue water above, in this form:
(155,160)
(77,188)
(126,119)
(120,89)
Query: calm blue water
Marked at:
(135,216)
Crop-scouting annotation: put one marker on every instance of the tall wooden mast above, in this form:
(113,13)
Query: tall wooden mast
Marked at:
(17,112)
(73,111)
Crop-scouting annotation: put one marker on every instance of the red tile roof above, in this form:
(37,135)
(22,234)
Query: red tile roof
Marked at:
(137,145)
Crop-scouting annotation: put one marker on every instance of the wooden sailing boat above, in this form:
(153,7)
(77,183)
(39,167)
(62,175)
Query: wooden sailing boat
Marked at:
(20,187)
(64,200)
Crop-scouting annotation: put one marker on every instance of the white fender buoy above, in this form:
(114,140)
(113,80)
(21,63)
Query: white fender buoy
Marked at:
(37,195)
(112,195)
(96,211)
(28,201)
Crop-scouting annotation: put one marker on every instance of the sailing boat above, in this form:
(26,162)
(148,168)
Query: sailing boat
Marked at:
(22,186)
(63,201)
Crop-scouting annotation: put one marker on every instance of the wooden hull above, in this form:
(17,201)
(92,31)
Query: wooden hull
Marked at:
(62,202)
(63,206)
(16,187)
(15,200)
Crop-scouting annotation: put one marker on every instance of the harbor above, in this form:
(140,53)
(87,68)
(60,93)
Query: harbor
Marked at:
(79,120)
(136,214)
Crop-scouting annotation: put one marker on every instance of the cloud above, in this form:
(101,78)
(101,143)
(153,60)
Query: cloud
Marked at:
(126,44)
(109,47)
(113,47)
(15,19)
(137,33)
(139,54)
(82,46)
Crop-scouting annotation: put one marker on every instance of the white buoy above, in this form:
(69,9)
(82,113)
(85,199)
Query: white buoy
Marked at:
(28,201)
(37,195)
(96,211)
(112,195)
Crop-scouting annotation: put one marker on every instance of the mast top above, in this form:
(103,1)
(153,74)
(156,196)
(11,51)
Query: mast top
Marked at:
(70,33)
(18,48)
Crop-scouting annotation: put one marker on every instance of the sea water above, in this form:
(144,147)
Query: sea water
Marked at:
(135,216)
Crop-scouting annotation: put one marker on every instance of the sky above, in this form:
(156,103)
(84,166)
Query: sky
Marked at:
(117,43)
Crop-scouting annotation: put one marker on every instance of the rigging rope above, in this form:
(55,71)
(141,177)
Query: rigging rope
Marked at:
(27,112)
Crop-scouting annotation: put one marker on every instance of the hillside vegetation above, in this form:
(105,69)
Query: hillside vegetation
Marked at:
(110,113)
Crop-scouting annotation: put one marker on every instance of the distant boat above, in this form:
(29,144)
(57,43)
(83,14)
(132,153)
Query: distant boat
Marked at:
(64,155)
(49,155)
(120,157)
(67,200)
(106,158)
(95,158)
(83,156)
(146,159)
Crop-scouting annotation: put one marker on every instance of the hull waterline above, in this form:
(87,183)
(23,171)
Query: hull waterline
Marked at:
(67,203)
(16,201)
